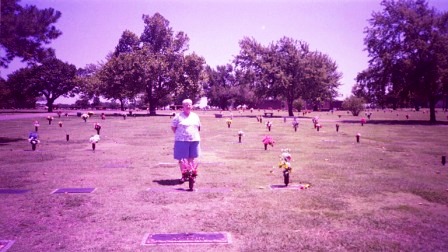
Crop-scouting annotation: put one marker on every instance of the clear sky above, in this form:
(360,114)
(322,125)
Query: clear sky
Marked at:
(91,28)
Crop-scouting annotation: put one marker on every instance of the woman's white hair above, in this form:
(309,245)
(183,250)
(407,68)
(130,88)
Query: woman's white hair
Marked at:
(187,101)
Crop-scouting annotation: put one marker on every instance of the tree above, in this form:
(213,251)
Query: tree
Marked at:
(53,79)
(155,64)
(119,79)
(192,80)
(289,70)
(219,88)
(408,46)
(161,59)
(128,43)
(21,92)
(5,94)
(353,104)
(24,32)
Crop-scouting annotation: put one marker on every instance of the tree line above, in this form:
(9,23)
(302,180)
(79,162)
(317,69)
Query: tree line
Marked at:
(406,42)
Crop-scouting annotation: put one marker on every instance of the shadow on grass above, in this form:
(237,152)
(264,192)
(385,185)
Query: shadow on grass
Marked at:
(397,122)
(168,182)
(5,140)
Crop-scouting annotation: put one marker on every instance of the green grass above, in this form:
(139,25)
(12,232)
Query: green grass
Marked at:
(388,192)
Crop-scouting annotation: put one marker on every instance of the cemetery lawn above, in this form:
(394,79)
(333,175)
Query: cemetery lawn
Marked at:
(389,192)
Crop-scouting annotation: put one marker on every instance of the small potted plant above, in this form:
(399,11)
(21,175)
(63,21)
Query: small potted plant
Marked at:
(60,124)
(358,136)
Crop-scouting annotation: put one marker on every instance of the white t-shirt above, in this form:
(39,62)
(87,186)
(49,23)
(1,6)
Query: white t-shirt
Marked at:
(187,127)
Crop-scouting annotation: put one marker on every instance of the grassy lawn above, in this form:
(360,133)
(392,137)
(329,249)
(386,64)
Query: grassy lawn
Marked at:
(387,193)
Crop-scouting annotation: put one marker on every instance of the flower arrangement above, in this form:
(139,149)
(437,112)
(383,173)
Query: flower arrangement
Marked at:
(363,120)
(285,159)
(269,125)
(285,164)
(229,122)
(189,167)
(94,140)
(318,126)
(33,139)
(240,134)
(358,136)
(268,140)
(49,118)
(84,117)
(315,121)
(36,125)
(189,172)
(295,125)
(60,124)
(97,127)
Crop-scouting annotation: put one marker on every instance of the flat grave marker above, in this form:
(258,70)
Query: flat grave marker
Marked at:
(181,189)
(187,238)
(289,187)
(117,165)
(74,190)
(168,164)
(12,191)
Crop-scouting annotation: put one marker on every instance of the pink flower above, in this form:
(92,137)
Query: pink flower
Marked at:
(268,140)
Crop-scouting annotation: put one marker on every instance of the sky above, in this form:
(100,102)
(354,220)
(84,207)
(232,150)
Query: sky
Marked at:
(91,28)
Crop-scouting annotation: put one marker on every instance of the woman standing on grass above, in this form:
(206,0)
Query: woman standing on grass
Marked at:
(185,126)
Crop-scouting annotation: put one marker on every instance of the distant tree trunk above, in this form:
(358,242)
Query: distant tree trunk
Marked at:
(50,103)
(151,100)
(290,108)
(432,110)
(121,104)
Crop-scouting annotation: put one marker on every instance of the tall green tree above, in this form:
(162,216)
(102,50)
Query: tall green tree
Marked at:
(154,63)
(407,44)
(287,69)
(220,86)
(119,79)
(354,104)
(88,83)
(24,30)
(162,58)
(52,79)
(192,79)
(19,90)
